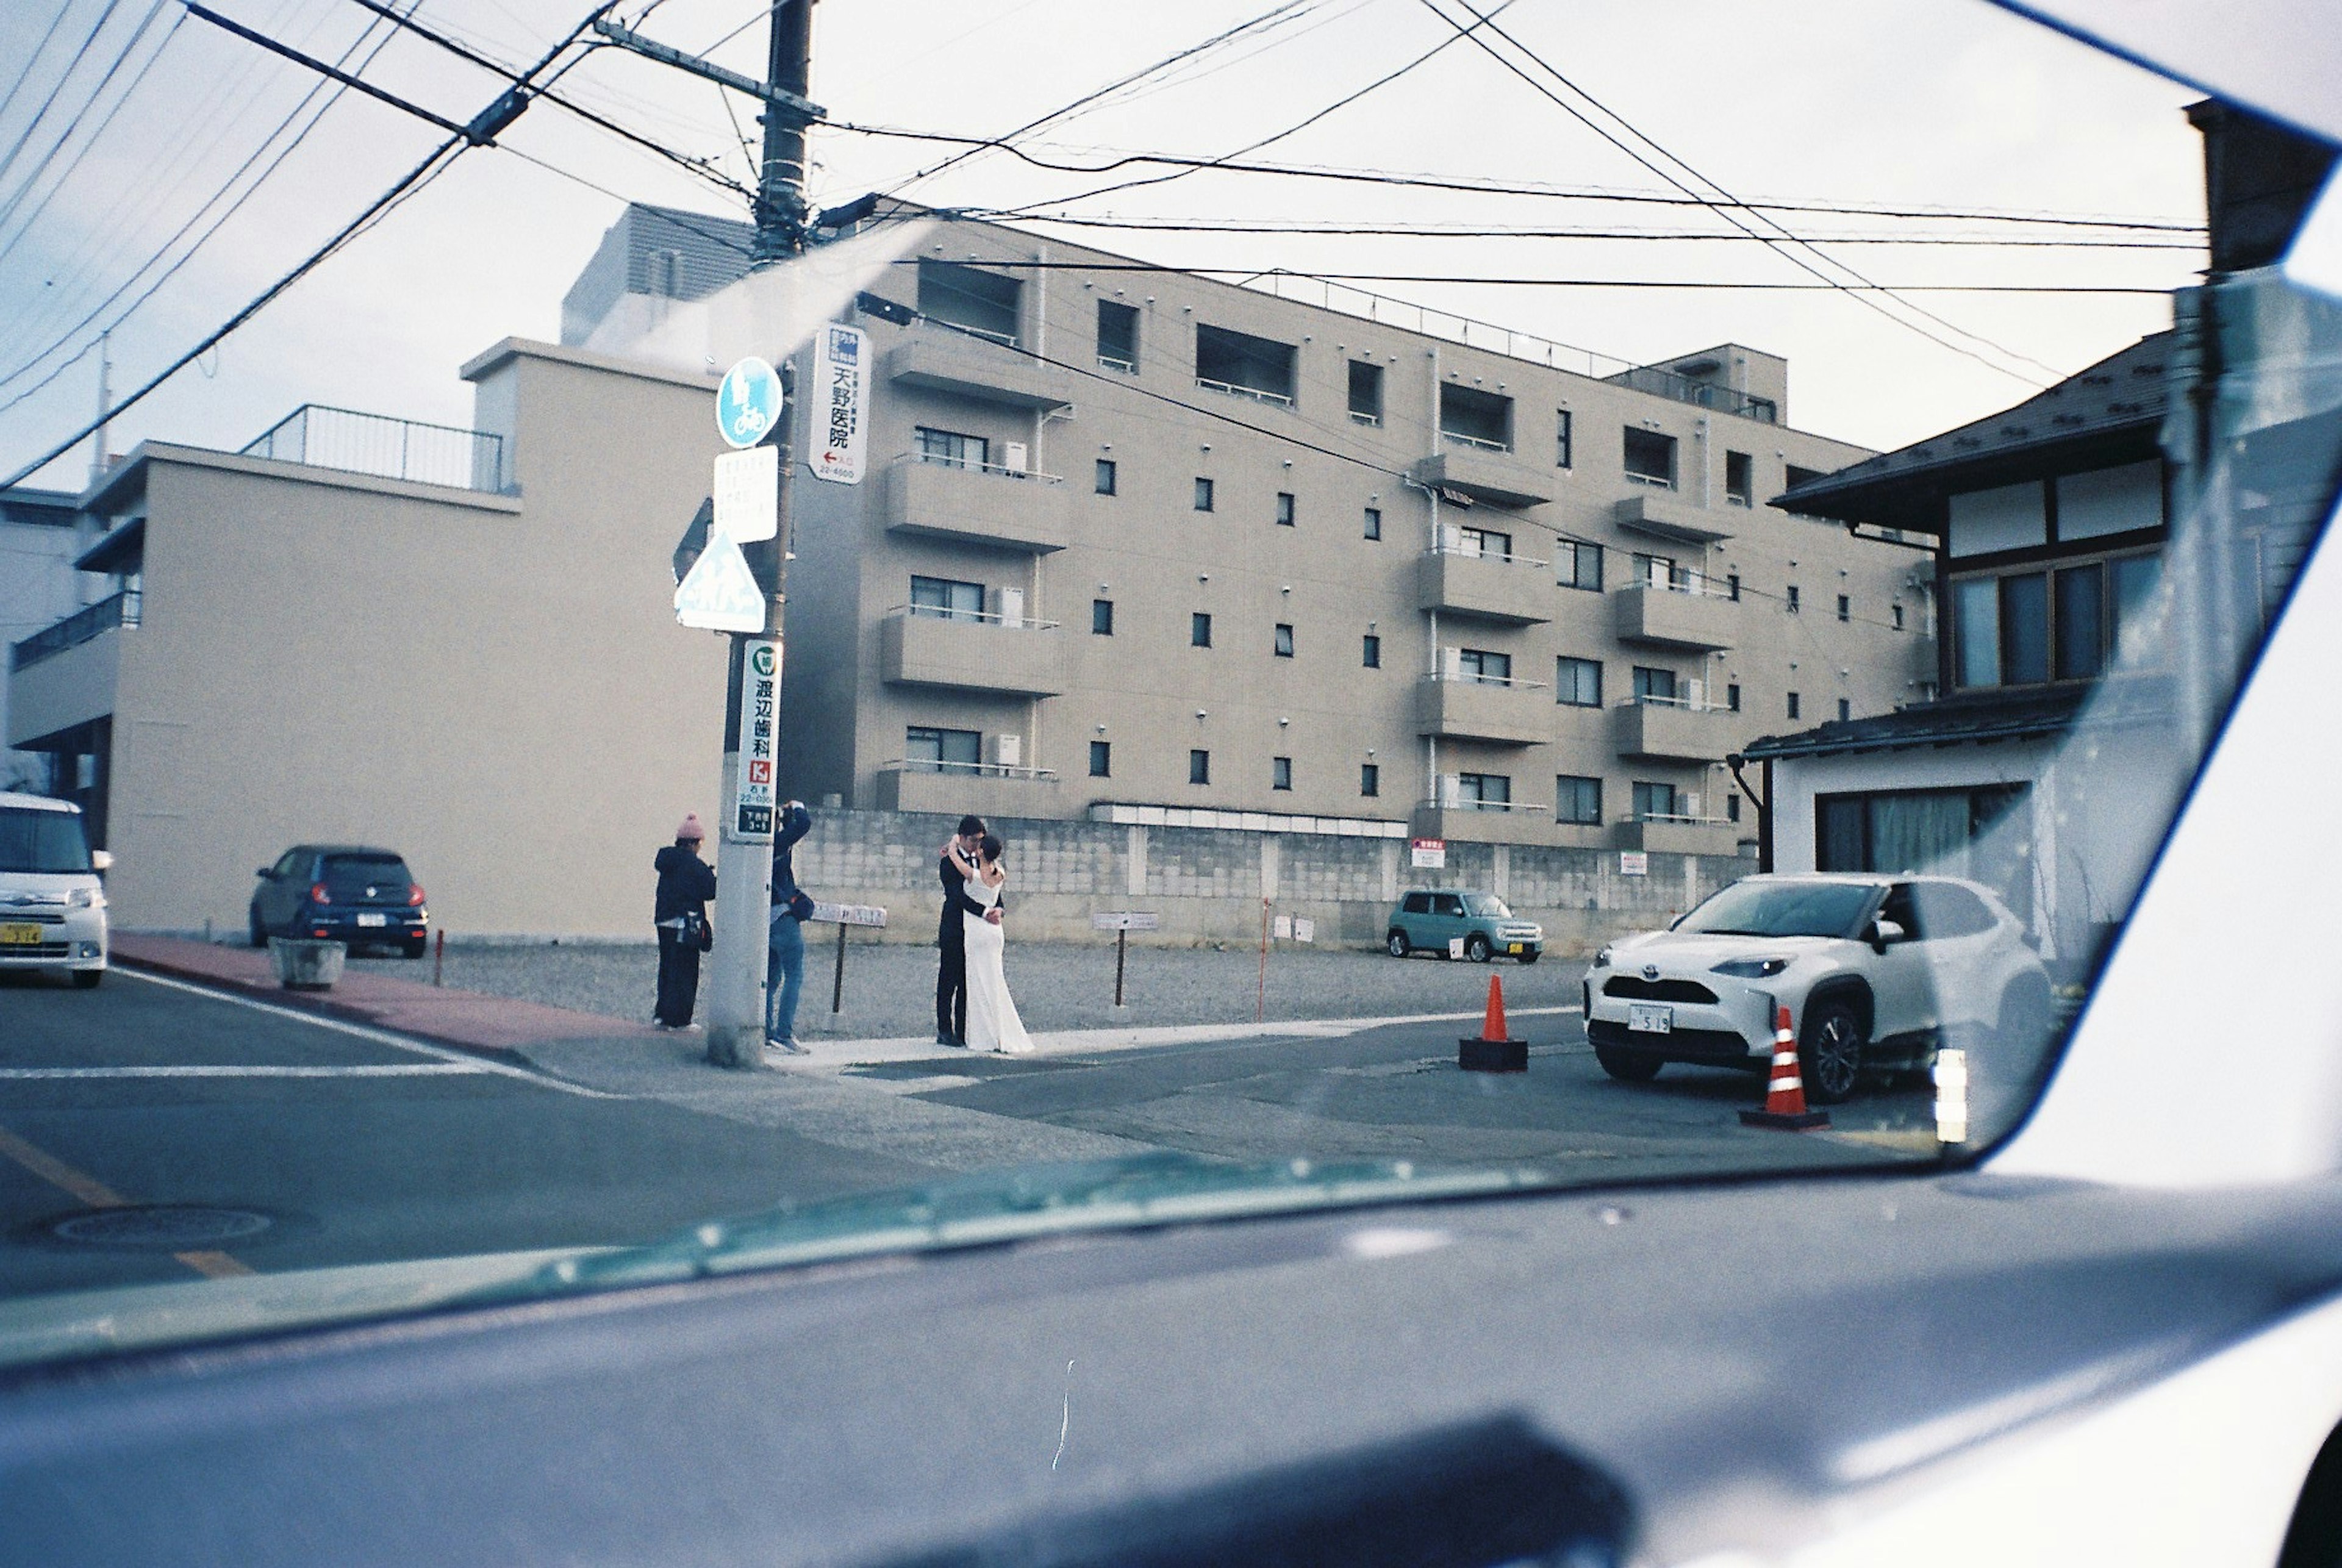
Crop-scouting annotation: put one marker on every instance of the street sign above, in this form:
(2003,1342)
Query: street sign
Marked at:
(760,703)
(748,402)
(840,375)
(1125,920)
(1634,863)
(1430,853)
(720,593)
(747,493)
(850,913)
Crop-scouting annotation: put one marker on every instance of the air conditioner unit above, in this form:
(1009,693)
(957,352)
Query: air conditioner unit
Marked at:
(1008,604)
(1451,663)
(1451,789)
(1012,457)
(1451,538)
(1007,750)
(1696,694)
(1688,805)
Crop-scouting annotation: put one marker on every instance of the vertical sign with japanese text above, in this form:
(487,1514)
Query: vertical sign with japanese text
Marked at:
(840,373)
(760,705)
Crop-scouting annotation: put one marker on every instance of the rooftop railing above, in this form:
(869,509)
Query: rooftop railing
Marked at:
(83,626)
(1678,388)
(322,437)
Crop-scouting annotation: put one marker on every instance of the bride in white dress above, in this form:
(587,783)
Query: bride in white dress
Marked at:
(992,1021)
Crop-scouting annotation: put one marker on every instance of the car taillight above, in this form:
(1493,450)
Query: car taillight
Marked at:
(321,893)
(415,896)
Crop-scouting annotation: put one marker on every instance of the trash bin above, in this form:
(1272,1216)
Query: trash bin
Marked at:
(307,965)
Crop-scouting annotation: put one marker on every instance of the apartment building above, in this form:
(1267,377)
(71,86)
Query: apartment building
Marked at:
(1139,546)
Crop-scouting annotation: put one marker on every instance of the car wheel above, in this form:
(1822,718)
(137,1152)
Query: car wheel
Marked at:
(2025,1021)
(1530,956)
(1398,944)
(1476,948)
(87,979)
(1627,1066)
(259,932)
(1829,1057)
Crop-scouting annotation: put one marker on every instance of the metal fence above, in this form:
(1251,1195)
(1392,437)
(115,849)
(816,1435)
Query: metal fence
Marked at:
(388,448)
(81,626)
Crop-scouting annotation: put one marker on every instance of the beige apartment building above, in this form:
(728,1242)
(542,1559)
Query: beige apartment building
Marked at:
(1141,547)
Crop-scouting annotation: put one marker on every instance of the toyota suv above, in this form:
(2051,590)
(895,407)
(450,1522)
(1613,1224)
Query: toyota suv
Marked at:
(1474,925)
(1875,972)
(52,905)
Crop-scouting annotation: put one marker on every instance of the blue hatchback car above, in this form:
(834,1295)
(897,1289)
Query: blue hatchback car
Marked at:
(1478,926)
(340,892)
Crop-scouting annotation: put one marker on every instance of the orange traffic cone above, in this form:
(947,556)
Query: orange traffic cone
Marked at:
(1785,1097)
(1492,1052)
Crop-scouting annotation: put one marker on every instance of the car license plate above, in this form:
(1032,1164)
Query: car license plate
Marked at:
(26,935)
(1513,949)
(1650,1018)
(373,920)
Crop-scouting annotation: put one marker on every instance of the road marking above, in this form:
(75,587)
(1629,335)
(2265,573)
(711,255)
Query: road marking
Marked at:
(212,1265)
(379,1036)
(189,1070)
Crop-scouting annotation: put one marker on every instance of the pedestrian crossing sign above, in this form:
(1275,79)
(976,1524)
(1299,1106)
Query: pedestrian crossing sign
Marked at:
(720,592)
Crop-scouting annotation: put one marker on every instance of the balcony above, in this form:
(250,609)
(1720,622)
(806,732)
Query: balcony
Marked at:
(1667,730)
(1512,589)
(971,653)
(1696,618)
(1504,712)
(963,365)
(951,789)
(1469,822)
(63,675)
(1677,521)
(1678,835)
(1485,473)
(975,504)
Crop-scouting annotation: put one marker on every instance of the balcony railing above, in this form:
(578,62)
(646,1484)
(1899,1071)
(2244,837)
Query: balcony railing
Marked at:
(984,618)
(1125,367)
(1655,481)
(322,437)
(1679,819)
(968,770)
(1682,704)
(1677,388)
(83,626)
(1480,443)
(999,470)
(1460,804)
(1258,395)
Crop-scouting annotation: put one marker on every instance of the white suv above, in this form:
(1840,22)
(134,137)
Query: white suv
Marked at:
(1876,971)
(52,904)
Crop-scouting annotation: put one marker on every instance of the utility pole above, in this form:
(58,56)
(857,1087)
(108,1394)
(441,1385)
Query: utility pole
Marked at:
(98,438)
(744,859)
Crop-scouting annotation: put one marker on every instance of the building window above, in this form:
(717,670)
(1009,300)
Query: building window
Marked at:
(1483,667)
(927,749)
(1794,477)
(1101,759)
(1366,392)
(1662,572)
(985,302)
(1239,363)
(1472,417)
(1561,438)
(1732,696)
(1101,617)
(1370,779)
(2007,518)
(1899,616)
(1105,476)
(1283,641)
(1656,686)
(1844,608)
(1732,586)
(1484,542)
(2081,621)
(2025,628)
(952,449)
(1577,681)
(1199,630)
(1203,494)
(1199,767)
(1940,830)
(1795,601)
(1794,705)
(1732,806)
(945,599)
(1580,566)
(1655,800)
(1373,522)
(1650,458)
(1576,799)
(1371,652)
(1280,772)
(1739,479)
(1117,327)
(1484,791)
(1284,509)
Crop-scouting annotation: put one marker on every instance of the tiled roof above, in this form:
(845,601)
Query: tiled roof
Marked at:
(1976,718)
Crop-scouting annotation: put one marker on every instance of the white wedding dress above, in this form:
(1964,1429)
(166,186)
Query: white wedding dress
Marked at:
(992,1021)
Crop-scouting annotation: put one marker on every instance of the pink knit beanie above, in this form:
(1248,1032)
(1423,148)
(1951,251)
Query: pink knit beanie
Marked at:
(690,828)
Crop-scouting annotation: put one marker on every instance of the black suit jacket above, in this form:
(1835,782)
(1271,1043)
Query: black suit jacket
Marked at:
(956,902)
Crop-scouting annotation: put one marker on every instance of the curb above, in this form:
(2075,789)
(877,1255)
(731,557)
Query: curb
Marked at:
(309,1002)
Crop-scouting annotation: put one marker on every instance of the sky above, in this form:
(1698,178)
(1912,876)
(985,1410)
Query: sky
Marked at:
(1942,105)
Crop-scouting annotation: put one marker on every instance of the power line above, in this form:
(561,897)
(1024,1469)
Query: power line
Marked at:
(95,135)
(1427,231)
(64,9)
(1823,285)
(25,136)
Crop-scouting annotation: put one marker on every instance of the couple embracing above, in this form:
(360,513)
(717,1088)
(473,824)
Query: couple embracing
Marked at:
(973,1007)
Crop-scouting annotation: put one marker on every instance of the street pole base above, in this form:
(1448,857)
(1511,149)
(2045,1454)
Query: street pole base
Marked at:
(1787,1121)
(740,1050)
(1475,1055)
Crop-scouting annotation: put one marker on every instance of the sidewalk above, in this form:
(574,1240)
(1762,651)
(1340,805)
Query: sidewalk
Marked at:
(491,1025)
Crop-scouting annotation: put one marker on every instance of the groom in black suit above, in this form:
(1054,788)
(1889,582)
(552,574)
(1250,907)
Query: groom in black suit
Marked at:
(951,936)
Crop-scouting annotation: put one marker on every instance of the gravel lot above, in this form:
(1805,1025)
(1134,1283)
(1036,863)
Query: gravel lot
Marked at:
(890,988)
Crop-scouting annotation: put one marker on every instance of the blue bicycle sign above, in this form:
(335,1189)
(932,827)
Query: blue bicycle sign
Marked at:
(748,403)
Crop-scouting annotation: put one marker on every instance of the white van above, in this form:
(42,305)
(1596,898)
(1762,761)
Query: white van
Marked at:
(52,904)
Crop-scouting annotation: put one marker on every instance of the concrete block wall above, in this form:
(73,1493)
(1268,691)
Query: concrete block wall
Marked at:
(1207,886)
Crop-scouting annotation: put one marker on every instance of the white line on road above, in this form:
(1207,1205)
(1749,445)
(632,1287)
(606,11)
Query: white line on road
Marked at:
(378,1036)
(216,1070)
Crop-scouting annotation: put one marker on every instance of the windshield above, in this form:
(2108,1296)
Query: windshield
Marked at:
(1148,667)
(42,841)
(1763,908)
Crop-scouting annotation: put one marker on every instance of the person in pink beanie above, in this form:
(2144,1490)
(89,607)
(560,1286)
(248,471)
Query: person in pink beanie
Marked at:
(685,884)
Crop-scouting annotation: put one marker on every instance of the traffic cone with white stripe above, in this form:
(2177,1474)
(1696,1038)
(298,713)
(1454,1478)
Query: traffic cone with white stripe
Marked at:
(1495,1051)
(1784,1098)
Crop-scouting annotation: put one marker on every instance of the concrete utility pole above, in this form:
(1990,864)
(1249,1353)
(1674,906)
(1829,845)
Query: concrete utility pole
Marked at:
(743,861)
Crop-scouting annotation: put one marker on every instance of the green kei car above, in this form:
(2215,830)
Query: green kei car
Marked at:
(1437,920)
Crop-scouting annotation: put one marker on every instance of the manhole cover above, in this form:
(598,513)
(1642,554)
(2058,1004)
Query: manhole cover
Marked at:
(166,1227)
